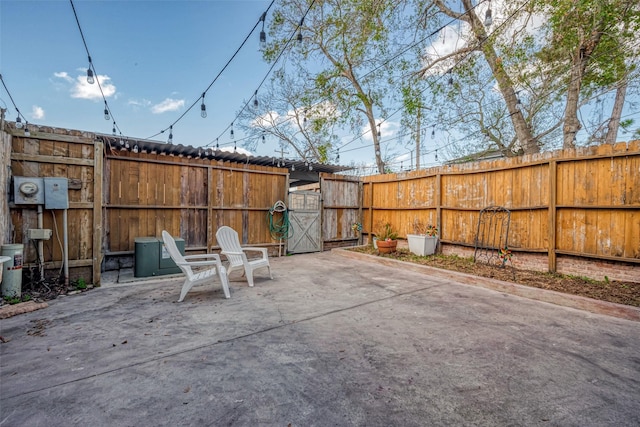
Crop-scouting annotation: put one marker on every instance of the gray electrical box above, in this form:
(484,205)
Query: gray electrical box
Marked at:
(152,258)
(56,193)
(28,190)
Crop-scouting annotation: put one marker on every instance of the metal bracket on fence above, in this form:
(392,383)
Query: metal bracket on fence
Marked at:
(492,236)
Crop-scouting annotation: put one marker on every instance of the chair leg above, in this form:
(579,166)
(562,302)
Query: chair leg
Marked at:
(185,288)
(249,273)
(225,282)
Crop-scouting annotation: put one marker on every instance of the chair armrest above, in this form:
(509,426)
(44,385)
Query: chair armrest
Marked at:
(263,250)
(214,262)
(201,256)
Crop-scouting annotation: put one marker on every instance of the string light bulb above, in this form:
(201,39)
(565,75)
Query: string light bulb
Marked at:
(436,156)
(203,108)
(450,78)
(299,37)
(18,121)
(113,130)
(26,129)
(433,133)
(135,148)
(90,78)
(488,19)
(338,156)
(263,35)
(263,138)
(106,111)
(231,135)
(518,104)
(217,145)
(255,99)
(293,167)
(379,133)
(170,140)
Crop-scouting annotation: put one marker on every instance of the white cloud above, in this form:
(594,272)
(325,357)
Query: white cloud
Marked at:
(168,104)
(83,90)
(387,130)
(237,150)
(64,76)
(37,112)
(266,120)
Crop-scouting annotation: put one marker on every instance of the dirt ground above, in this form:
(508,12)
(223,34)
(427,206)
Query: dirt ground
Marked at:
(627,293)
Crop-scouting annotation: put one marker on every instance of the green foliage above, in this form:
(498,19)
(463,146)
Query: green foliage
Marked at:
(80,284)
(15,299)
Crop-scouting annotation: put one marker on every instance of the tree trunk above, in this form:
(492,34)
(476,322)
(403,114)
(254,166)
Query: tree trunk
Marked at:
(523,133)
(616,112)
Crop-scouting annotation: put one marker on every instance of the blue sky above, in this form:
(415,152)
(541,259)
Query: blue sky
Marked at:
(154,59)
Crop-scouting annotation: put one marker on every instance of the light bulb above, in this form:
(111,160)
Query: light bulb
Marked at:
(26,129)
(255,102)
(379,134)
(18,123)
(293,168)
(106,111)
(518,104)
(433,133)
(231,135)
(488,20)
(299,37)
(121,141)
(203,110)
(135,148)
(113,130)
(90,79)
(263,138)
(170,140)
(217,145)
(126,144)
(263,39)
(310,167)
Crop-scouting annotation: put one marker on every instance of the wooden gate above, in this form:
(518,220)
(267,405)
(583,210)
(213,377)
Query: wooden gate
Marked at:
(305,222)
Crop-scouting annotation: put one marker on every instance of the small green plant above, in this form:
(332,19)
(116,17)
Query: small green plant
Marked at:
(81,284)
(386,232)
(15,299)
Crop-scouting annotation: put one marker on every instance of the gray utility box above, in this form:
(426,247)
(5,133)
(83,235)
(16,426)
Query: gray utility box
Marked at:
(153,259)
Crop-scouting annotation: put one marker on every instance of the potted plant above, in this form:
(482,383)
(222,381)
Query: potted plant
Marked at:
(424,240)
(385,239)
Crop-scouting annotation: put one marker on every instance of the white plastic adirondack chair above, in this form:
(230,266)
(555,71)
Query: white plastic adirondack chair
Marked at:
(228,240)
(186,265)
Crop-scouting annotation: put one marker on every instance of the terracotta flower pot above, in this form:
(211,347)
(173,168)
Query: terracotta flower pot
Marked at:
(387,246)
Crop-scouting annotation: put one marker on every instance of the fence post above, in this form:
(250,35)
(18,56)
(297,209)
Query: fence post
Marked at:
(553,188)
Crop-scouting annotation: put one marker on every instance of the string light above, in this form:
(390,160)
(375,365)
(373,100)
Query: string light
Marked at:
(18,121)
(263,35)
(255,99)
(263,138)
(90,78)
(231,135)
(26,129)
(170,140)
(488,20)
(135,148)
(433,132)
(217,145)
(450,78)
(299,37)
(113,130)
(338,156)
(379,133)
(203,108)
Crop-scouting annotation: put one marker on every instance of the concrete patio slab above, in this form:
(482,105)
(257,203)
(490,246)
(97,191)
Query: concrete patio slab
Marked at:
(330,341)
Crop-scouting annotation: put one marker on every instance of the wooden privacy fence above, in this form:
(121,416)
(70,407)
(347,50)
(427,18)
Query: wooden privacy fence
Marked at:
(146,193)
(77,156)
(583,202)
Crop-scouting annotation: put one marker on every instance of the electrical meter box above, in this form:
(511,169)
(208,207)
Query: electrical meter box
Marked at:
(28,190)
(153,259)
(56,193)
